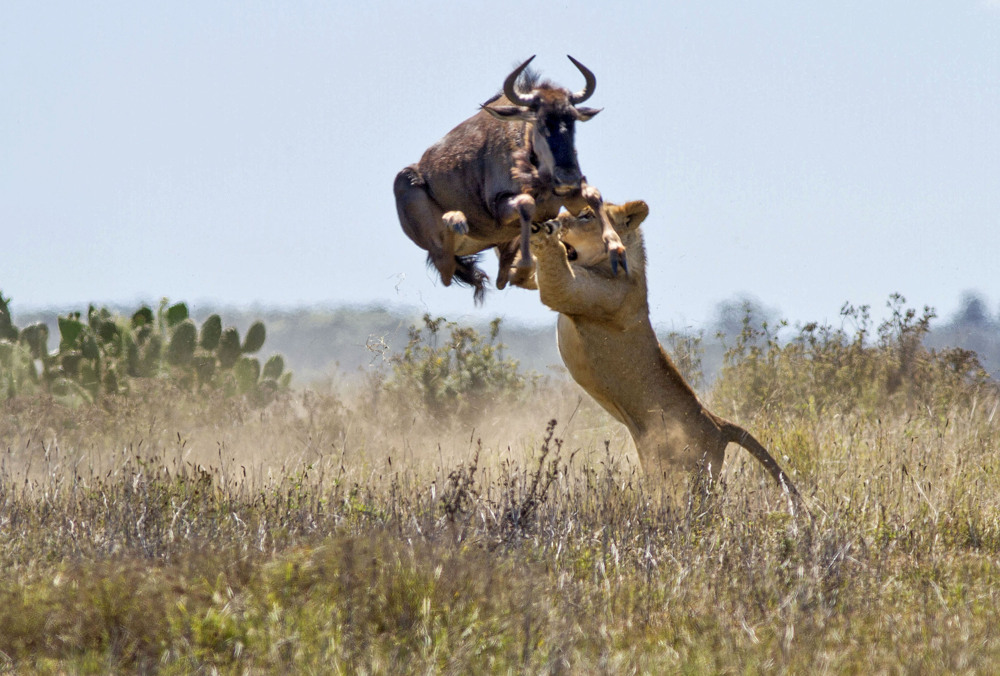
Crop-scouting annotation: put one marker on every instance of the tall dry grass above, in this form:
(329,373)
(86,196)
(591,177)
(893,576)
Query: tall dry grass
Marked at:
(358,532)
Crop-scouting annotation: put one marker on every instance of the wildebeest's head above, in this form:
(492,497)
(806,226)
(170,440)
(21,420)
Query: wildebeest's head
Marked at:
(552,113)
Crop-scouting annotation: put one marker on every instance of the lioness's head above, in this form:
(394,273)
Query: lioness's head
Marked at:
(581,235)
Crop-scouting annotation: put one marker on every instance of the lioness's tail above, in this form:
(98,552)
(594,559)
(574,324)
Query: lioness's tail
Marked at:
(737,435)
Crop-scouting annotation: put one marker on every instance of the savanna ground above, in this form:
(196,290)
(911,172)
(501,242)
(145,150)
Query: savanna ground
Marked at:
(433,520)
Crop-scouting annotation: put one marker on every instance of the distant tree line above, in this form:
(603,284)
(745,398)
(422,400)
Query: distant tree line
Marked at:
(347,341)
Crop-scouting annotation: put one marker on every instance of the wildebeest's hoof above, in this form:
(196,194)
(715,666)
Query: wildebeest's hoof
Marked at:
(523,275)
(618,259)
(456,221)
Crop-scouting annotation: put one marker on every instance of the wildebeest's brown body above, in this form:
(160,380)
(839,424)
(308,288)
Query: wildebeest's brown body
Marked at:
(489,178)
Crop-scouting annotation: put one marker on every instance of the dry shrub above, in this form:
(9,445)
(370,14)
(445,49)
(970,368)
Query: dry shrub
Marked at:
(450,371)
(828,371)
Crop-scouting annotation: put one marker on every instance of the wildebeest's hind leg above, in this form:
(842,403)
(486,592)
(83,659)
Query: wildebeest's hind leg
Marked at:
(433,230)
(423,222)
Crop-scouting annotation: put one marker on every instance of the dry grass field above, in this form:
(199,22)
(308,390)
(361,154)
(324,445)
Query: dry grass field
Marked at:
(435,521)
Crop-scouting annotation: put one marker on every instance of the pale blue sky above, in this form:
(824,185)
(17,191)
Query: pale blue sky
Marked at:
(806,153)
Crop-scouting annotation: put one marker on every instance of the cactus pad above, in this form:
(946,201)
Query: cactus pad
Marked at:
(229,348)
(211,331)
(255,338)
(176,314)
(273,367)
(180,350)
(247,372)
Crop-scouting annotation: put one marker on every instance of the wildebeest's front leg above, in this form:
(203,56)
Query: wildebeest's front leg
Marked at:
(507,254)
(521,207)
(589,196)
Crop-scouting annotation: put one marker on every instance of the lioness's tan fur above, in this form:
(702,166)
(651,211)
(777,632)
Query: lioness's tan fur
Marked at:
(609,347)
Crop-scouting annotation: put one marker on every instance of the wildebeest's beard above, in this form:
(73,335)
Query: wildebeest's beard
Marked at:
(560,162)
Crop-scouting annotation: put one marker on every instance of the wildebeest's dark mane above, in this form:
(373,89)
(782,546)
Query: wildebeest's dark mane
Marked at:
(529,79)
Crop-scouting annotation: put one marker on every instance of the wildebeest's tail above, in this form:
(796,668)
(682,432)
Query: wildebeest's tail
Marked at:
(468,273)
(737,435)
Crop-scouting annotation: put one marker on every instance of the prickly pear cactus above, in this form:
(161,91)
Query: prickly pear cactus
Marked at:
(255,338)
(8,331)
(205,367)
(35,337)
(142,317)
(180,349)
(228,351)
(175,314)
(70,330)
(101,354)
(247,373)
(273,367)
(211,332)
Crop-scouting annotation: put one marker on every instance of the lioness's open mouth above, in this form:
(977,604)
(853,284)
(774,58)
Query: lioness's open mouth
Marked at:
(571,253)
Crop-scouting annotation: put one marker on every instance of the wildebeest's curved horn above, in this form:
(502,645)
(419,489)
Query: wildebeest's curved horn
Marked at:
(588,87)
(508,86)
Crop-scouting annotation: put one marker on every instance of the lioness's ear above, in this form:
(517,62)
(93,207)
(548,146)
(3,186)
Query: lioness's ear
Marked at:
(635,214)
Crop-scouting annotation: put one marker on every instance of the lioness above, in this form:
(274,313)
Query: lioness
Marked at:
(608,345)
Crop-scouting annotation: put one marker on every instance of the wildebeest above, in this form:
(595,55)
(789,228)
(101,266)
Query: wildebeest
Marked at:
(489,178)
